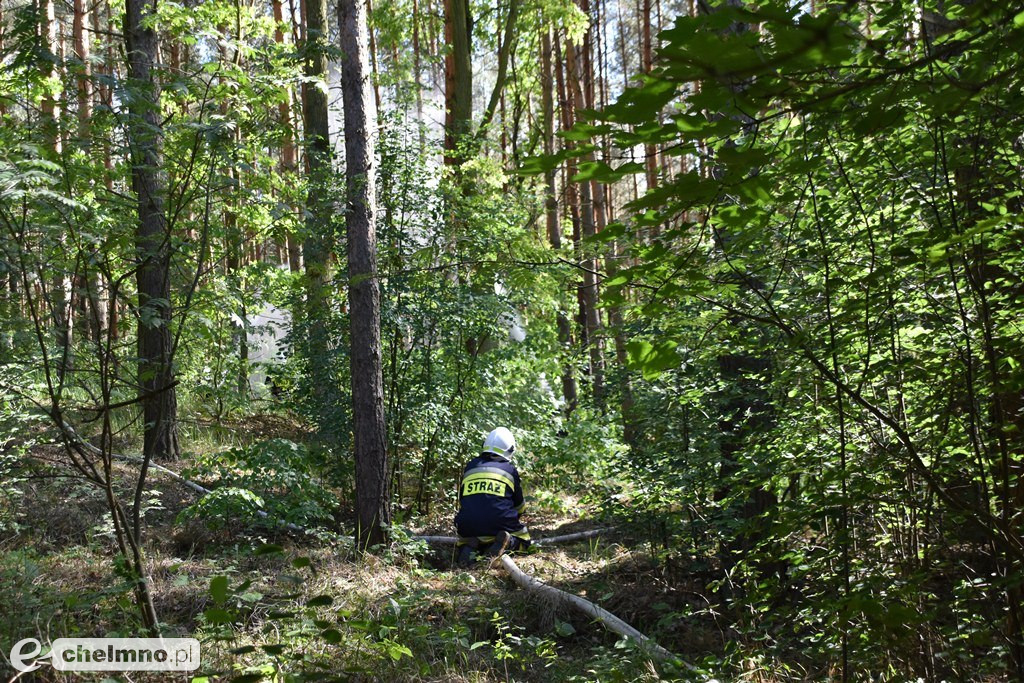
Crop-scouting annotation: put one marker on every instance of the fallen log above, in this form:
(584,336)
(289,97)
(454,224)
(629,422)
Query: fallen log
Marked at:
(567,538)
(603,616)
(72,435)
(441,540)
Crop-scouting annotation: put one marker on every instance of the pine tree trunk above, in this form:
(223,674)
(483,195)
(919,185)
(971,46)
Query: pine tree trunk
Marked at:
(577,86)
(646,62)
(372,504)
(458,93)
(565,106)
(3,31)
(83,79)
(60,287)
(96,311)
(152,243)
(417,68)
(319,233)
(289,160)
(554,228)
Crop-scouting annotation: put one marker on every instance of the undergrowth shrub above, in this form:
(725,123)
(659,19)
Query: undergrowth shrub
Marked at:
(277,476)
(15,423)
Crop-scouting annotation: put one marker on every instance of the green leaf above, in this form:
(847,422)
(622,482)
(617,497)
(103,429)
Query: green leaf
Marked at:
(396,651)
(564,629)
(582,132)
(281,614)
(320,601)
(331,635)
(268,549)
(219,589)
(652,359)
(602,172)
(217,615)
(640,105)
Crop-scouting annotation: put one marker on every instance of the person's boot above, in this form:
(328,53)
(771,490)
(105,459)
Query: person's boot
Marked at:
(465,556)
(501,542)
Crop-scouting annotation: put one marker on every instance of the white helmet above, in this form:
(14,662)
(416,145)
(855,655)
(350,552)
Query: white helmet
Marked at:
(500,442)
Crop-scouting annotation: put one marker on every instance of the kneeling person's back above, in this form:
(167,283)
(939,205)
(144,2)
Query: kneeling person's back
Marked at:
(491,499)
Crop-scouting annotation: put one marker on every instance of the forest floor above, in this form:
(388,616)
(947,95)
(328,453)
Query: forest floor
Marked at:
(308,603)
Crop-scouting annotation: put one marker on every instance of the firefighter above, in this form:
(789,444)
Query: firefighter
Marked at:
(490,501)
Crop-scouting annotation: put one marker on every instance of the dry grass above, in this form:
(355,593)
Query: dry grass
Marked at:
(412,600)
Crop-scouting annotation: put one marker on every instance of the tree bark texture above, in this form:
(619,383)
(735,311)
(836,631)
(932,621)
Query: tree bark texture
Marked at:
(81,30)
(316,249)
(577,82)
(646,63)
(369,431)
(504,50)
(554,228)
(289,157)
(458,93)
(152,243)
(50,108)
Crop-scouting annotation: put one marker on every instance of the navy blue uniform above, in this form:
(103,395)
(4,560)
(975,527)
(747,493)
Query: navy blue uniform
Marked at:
(490,499)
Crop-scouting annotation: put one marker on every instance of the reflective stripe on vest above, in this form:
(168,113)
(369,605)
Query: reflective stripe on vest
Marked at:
(484,482)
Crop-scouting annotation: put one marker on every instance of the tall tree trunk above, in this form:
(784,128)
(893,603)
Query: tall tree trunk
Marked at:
(97,302)
(8,283)
(624,57)
(319,233)
(289,161)
(989,280)
(417,75)
(747,411)
(8,291)
(577,86)
(504,50)
(458,94)
(60,288)
(110,71)
(152,243)
(369,430)
(554,228)
(83,77)
(433,39)
(646,62)
(565,107)
(234,240)
(3,32)
(603,208)
(153,251)
(373,54)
